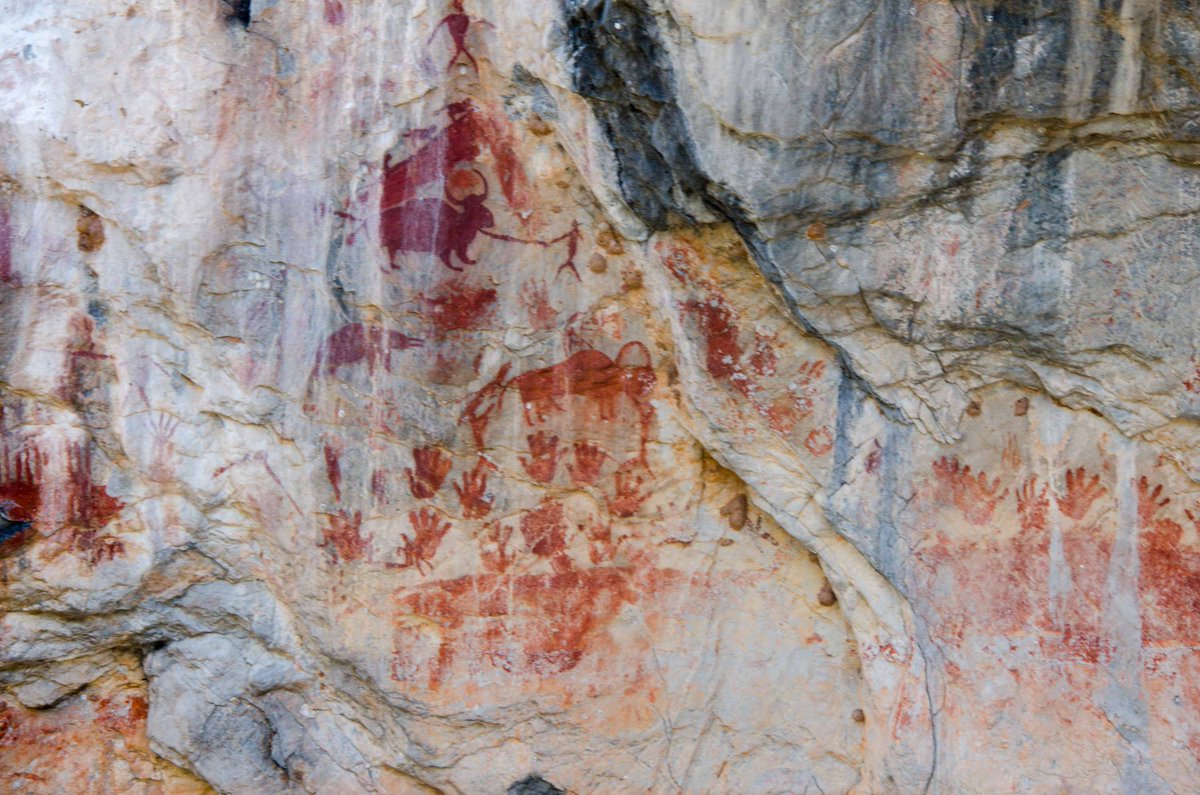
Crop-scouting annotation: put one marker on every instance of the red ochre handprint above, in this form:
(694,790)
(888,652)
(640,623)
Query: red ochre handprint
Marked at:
(343,538)
(494,550)
(543,456)
(1032,505)
(473,495)
(629,496)
(1081,492)
(971,494)
(431,466)
(1149,503)
(428,532)
(589,457)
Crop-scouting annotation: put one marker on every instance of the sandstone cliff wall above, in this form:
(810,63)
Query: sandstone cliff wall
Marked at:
(600,396)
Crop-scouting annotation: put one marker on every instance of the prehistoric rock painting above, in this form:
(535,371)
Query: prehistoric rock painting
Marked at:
(95,740)
(973,495)
(343,538)
(437,226)
(785,398)
(457,306)
(428,531)
(457,23)
(430,467)
(587,384)
(357,343)
(551,585)
(447,226)
(48,491)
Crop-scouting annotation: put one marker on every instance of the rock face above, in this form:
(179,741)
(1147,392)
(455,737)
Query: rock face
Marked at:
(600,396)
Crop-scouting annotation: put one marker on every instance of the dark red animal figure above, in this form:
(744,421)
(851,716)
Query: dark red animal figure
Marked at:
(457,24)
(358,342)
(437,226)
(589,374)
(460,141)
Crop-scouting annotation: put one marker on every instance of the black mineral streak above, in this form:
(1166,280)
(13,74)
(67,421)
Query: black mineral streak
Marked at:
(621,67)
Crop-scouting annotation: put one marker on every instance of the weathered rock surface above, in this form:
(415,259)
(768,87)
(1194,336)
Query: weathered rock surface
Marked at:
(599,396)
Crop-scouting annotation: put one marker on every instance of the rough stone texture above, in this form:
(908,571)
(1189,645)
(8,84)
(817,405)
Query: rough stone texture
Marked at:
(600,396)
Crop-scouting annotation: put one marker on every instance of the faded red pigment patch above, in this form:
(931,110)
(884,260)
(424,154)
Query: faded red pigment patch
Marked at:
(1006,582)
(629,492)
(456,306)
(358,342)
(121,713)
(764,360)
(819,442)
(724,357)
(723,354)
(333,468)
(335,13)
(342,538)
(1170,571)
(83,359)
(545,530)
(588,459)
(97,546)
(534,624)
(7,274)
(90,742)
(974,496)
(538,309)
(379,486)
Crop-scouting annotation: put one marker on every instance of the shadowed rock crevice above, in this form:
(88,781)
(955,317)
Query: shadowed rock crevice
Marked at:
(534,785)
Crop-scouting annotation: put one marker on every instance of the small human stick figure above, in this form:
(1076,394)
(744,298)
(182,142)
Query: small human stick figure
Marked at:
(572,237)
(457,24)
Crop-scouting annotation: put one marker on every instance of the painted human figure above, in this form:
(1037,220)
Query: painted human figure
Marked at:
(457,24)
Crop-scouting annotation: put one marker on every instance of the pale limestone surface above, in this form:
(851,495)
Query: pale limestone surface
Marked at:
(667,396)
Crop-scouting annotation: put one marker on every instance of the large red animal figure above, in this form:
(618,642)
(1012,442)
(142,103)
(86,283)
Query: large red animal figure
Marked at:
(437,226)
(588,374)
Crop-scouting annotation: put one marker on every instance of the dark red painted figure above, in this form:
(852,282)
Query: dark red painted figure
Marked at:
(357,342)
(436,226)
(458,142)
(457,24)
